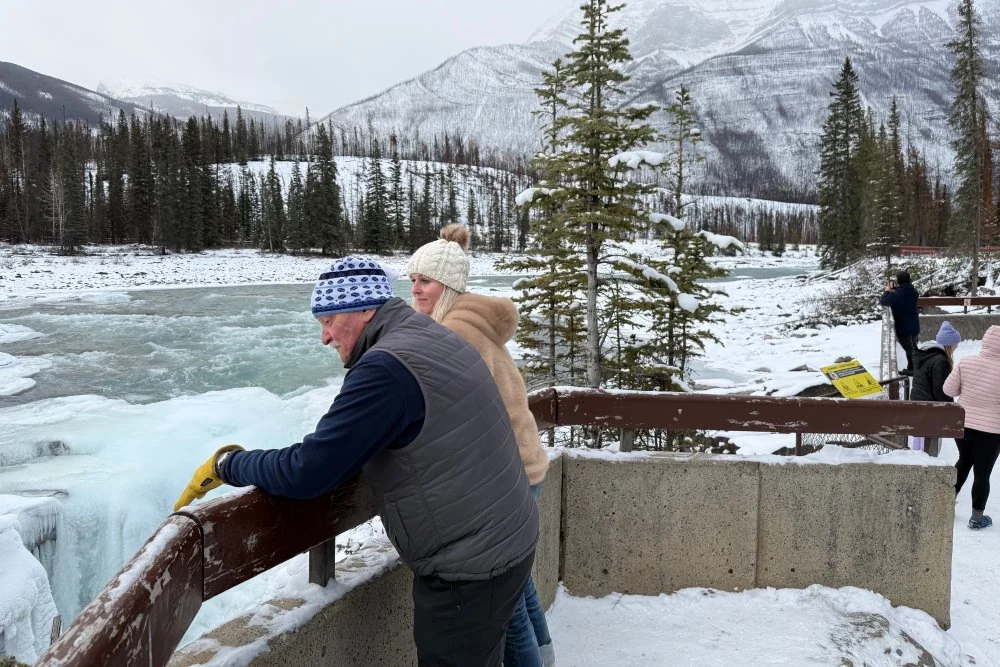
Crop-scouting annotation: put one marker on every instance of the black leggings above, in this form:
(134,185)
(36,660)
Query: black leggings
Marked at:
(977,451)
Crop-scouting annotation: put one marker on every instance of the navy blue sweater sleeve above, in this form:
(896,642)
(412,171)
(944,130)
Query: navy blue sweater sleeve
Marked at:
(380,405)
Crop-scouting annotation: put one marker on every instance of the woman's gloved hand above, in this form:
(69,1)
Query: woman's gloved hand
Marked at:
(204,479)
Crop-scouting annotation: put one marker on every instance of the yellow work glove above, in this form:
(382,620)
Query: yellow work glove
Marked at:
(204,478)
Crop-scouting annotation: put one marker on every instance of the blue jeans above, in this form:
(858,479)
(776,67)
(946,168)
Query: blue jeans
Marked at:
(528,629)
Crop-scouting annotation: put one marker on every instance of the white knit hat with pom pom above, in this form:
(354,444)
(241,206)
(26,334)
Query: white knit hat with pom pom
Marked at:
(444,260)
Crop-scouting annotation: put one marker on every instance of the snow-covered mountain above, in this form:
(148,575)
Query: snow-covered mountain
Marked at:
(759,71)
(183,101)
(41,95)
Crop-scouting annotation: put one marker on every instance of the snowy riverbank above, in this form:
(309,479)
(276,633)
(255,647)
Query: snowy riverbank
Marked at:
(28,269)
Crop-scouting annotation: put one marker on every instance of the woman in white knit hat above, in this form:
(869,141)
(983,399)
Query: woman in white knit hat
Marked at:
(439,272)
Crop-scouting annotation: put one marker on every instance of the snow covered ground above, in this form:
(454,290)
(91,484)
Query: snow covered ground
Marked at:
(701,627)
(757,355)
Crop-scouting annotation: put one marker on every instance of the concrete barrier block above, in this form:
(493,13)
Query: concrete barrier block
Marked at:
(371,626)
(971,326)
(655,524)
(887,528)
(547,555)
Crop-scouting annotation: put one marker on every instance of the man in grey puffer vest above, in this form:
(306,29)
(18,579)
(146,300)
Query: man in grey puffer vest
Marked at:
(420,414)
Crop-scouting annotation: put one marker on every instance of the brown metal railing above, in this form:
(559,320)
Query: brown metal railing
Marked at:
(141,615)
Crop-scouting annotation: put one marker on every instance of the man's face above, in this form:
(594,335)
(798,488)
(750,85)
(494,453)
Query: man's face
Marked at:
(341,331)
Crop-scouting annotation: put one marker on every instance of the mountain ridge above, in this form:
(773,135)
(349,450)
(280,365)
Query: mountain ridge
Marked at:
(766,92)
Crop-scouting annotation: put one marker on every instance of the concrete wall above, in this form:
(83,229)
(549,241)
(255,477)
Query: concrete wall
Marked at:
(661,523)
(658,524)
(972,326)
(887,528)
(655,524)
(371,625)
(548,553)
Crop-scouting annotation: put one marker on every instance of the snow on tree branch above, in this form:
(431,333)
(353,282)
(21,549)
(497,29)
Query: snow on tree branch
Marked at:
(633,159)
(686,301)
(676,223)
(721,241)
(528,195)
(648,273)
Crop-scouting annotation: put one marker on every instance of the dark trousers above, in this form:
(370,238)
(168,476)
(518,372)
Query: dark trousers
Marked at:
(463,623)
(909,344)
(977,451)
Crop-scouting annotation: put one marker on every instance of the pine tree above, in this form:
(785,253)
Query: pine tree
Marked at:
(596,202)
(139,193)
(191,217)
(397,209)
(377,230)
(296,236)
(71,174)
(968,120)
(683,138)
(13,201)
(242,141)
(887,174)
(840,215)
(326,205)
(117,140)
(98,207)
(273,209)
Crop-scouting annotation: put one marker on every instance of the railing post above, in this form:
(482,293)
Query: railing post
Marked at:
(627,440)
(798,444)
(894,391)
(321,562)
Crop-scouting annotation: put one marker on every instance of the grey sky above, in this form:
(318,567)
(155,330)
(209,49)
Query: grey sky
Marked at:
(284,53)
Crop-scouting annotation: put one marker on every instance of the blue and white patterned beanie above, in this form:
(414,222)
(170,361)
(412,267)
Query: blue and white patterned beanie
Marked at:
(350,285)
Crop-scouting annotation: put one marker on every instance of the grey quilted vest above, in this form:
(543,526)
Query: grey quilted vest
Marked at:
(455,502)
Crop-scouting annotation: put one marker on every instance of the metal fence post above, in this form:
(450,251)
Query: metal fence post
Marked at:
(627,440)
(321,562)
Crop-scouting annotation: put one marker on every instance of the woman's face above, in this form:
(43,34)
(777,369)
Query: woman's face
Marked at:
(426,292)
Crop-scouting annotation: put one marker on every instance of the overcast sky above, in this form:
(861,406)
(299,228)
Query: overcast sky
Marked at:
(284,53)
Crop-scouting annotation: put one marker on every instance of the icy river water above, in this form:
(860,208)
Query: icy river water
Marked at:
(133,389)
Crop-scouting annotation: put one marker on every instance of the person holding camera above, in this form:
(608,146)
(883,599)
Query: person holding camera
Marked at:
(901,297)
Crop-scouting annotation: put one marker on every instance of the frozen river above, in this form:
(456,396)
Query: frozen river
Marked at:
(113,397)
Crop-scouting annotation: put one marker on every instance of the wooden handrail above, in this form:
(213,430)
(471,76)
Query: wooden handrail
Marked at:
(143,612)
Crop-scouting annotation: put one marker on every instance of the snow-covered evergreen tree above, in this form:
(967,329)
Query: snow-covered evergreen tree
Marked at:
(969,121)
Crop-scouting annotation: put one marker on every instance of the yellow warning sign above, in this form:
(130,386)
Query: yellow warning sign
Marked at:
(851,379)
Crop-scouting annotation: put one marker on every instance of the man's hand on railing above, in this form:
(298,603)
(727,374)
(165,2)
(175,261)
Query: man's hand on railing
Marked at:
(205,478)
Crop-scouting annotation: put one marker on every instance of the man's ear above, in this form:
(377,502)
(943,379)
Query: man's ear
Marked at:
(367,315)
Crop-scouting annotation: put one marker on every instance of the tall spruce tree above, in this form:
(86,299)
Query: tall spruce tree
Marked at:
(376,225)
(325,203)
(840,213)
(273,212)
(71,168)
(296,236)
(968,120)
(683,137)
(139,192)
(597,203)
(397,203)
